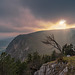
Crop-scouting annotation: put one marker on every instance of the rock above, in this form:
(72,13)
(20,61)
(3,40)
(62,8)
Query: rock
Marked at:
(52,69)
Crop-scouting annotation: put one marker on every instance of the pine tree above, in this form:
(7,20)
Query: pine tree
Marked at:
(53,55)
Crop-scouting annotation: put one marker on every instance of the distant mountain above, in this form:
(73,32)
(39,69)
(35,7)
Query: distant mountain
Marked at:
(4,43)
(20,46)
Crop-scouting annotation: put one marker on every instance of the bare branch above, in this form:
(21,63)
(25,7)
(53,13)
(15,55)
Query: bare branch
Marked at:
(51,41)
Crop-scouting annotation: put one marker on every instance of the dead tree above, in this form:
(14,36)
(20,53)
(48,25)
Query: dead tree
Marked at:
(50,40)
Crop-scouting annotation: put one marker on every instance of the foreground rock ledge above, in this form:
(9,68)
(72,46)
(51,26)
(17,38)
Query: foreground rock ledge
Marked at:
(52,69)
(55,68)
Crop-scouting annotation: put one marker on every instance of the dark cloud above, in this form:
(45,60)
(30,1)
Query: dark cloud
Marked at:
(13,16)
(52,10)
(9,8)
(23,15)
(4,29)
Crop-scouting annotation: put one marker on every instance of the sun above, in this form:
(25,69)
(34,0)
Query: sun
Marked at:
(62,22)
(60,25)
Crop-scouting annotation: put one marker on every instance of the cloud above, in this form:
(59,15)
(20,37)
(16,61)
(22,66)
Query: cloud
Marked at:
(14,18)
(9,8)
(26,16)
(23,23)
(52,10)
(6,29)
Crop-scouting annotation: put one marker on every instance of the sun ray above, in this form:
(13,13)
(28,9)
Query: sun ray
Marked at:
(62,22)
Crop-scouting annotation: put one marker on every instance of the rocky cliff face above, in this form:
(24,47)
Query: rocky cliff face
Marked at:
(20,46)
(58,68)
(52,69)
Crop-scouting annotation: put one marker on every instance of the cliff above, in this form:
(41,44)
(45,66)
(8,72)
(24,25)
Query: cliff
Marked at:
(58,68)
(24,44)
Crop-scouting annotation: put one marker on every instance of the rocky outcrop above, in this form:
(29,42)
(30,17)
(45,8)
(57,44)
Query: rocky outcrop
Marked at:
(52,69)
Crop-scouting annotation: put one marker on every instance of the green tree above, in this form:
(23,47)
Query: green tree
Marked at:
(53,56)
(29,58)
(21,67)
(7,65)
(46,58)
(33,63)
(68,50)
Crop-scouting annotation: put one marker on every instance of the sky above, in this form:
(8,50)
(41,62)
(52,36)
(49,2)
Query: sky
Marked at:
(27,16)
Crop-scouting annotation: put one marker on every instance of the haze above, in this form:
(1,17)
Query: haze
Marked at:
(26,16)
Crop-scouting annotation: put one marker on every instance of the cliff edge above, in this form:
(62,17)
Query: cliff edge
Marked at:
(66,67)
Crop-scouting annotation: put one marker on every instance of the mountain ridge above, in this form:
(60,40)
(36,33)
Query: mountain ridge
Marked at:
(23,44)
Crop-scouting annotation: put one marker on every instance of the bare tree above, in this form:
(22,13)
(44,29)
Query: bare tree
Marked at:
(50,40)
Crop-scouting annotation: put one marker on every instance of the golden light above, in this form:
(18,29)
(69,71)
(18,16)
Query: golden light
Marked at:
(60,25)
(62,22)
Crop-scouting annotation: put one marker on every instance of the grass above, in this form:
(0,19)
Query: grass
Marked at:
(71,65)
(71,60)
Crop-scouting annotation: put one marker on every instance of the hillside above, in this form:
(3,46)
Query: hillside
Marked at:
(20,46)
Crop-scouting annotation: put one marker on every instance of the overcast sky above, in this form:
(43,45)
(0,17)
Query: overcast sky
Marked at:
(26,16)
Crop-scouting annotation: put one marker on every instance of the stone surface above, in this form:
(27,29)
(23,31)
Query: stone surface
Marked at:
(52,69)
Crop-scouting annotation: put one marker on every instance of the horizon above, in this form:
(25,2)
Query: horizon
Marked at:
(9,37)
